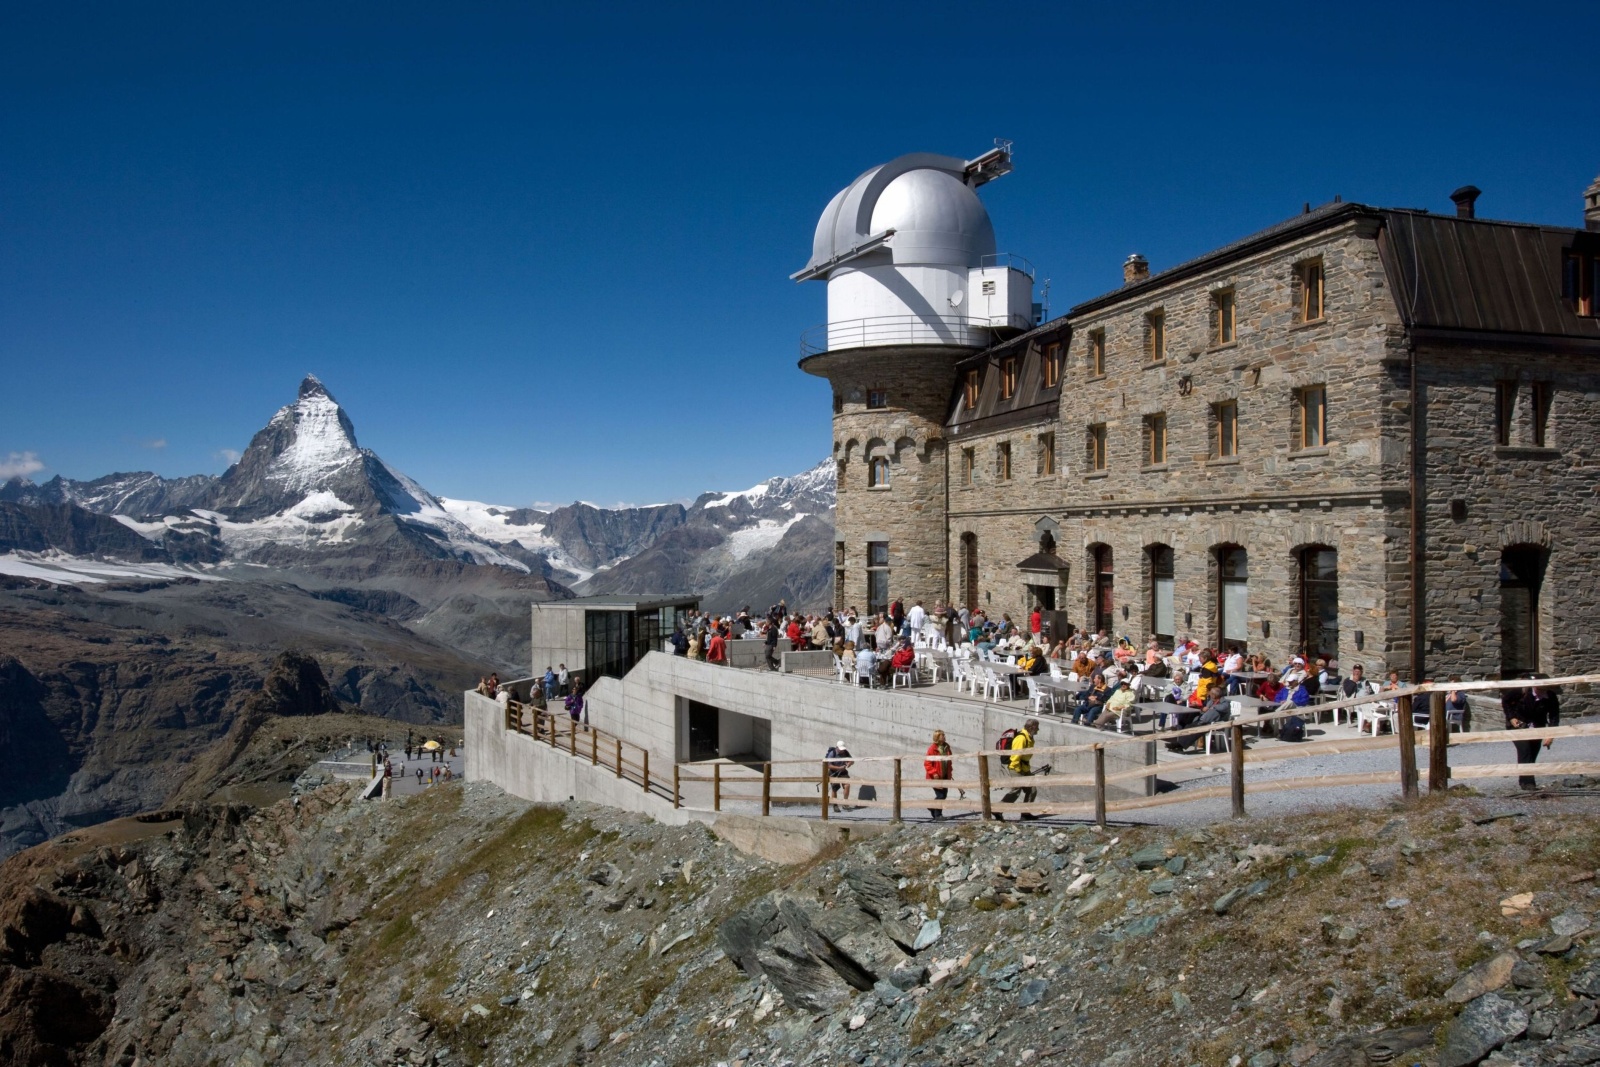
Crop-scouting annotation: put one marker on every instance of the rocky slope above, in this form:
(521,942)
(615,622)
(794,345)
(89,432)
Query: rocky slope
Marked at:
(462,926)
(108,693)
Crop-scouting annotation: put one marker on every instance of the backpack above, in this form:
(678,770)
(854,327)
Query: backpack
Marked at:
(1004,744)
(1292,729)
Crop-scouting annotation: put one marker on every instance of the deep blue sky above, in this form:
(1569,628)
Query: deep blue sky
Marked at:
(542,254)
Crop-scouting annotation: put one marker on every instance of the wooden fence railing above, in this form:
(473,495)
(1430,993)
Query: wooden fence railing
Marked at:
(807,787)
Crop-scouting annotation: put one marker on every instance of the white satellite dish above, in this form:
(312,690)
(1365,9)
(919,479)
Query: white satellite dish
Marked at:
(956,298)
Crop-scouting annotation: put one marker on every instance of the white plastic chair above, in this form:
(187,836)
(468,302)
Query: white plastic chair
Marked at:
(992,684)
(903,676)
(1374,715)
(1039,696)
(838,665)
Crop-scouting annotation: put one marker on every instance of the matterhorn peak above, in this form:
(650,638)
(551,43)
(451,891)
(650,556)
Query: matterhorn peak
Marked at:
(311,385)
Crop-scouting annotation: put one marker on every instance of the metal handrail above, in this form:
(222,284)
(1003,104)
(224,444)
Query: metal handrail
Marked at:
(883,330)
(1008,259)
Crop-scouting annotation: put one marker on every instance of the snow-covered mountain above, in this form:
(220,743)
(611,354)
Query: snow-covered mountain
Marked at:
(307,498)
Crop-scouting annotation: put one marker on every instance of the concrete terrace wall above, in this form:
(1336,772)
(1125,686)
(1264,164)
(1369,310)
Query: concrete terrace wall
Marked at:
(809,714)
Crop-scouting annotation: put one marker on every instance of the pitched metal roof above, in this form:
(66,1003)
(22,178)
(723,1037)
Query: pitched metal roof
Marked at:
(1480,275)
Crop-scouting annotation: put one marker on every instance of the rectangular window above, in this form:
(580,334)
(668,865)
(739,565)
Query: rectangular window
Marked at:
(1222,317)
(1542,396)
(1225,429)
(838,403)
(968,462)
(971,390)
(877,577)
(1051,370)
(1311,405)
(1580,282)
(1008,377)
(1097,353)
(1505,411)
(1155,337)
(1047,453)
(1002,462)
(1155,439)
(877,398)
(1311,290)
(1096,456)
(877,472)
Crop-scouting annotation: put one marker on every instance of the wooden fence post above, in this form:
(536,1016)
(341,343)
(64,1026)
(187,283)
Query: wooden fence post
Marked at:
(677,793)
(1406,730)
(1438,746)
(825,769)
(1100,785)
(897,789)
(716,787)
(619,757)
(1236,746)
(552,721)
(594,748)
(572,739)
(983,784)
(644,775)
(766,788)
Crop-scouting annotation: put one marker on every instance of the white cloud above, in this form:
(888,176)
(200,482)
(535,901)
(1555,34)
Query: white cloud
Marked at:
(156,443)
(229,454)
(19,465)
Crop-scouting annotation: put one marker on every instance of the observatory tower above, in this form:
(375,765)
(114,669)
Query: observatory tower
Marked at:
(914,286)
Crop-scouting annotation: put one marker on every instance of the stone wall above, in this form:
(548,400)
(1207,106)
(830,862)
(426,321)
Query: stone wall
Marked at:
(1508,495)
(1272,498)
(908,513)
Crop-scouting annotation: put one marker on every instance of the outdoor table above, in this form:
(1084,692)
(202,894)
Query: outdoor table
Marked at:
(1238,706)
(1158,708)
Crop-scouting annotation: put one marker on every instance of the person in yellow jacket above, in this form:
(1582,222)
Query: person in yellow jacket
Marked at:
(1020,764)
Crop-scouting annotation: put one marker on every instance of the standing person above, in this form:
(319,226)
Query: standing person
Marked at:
(1021,765)
(549,683)
(680,643)
(575,706)
(694,645)
(563,680)
(938,767)
(917,618)
(772,646)
(717,653)
(1035,623)
(839,762)
(1530,709)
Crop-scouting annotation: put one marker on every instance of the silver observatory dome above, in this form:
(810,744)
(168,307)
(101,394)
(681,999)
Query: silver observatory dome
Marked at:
(908,252)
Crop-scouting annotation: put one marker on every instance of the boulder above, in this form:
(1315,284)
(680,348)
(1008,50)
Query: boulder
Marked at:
(1483,1026)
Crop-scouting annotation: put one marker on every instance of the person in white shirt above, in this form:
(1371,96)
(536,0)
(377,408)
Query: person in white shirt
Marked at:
(866,664)
(852,630)
(1234,663)
(916,617)
(884,634)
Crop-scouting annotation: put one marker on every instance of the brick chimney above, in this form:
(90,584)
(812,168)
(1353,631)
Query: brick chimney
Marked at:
(1135,269)
(1591,205)
(1466,199)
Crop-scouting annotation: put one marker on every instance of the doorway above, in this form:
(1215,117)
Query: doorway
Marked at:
(703,732)
(1522,570)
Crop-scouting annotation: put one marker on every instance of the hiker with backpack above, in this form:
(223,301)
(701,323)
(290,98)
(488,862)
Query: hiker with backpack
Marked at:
(1020,765)
(939,767)
(839,761)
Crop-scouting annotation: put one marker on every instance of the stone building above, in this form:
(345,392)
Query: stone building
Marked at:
(1284,444)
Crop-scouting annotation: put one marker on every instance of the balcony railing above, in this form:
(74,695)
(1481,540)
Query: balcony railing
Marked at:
(885,330)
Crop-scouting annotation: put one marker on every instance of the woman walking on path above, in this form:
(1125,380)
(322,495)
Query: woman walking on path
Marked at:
(939,767)
(575,706)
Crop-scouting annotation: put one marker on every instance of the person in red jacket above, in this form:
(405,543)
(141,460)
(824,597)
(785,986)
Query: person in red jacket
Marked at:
(938,770)
(718,651)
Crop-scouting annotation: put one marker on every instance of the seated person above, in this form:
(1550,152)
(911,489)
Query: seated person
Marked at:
(1092,702)
(867,666)
(904,658)
(848,656)
(1117,704)
(1216,710)
(1271,689)
(1033,662)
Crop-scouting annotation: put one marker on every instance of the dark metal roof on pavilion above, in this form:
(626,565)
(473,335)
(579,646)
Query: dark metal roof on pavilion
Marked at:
(1481,276)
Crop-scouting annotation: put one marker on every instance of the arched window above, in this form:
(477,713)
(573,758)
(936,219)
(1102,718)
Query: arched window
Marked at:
(969,570)
(1521,579)
(1233,596)
(877,472)
(1319,600)
(1162,582)
(1104,591)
